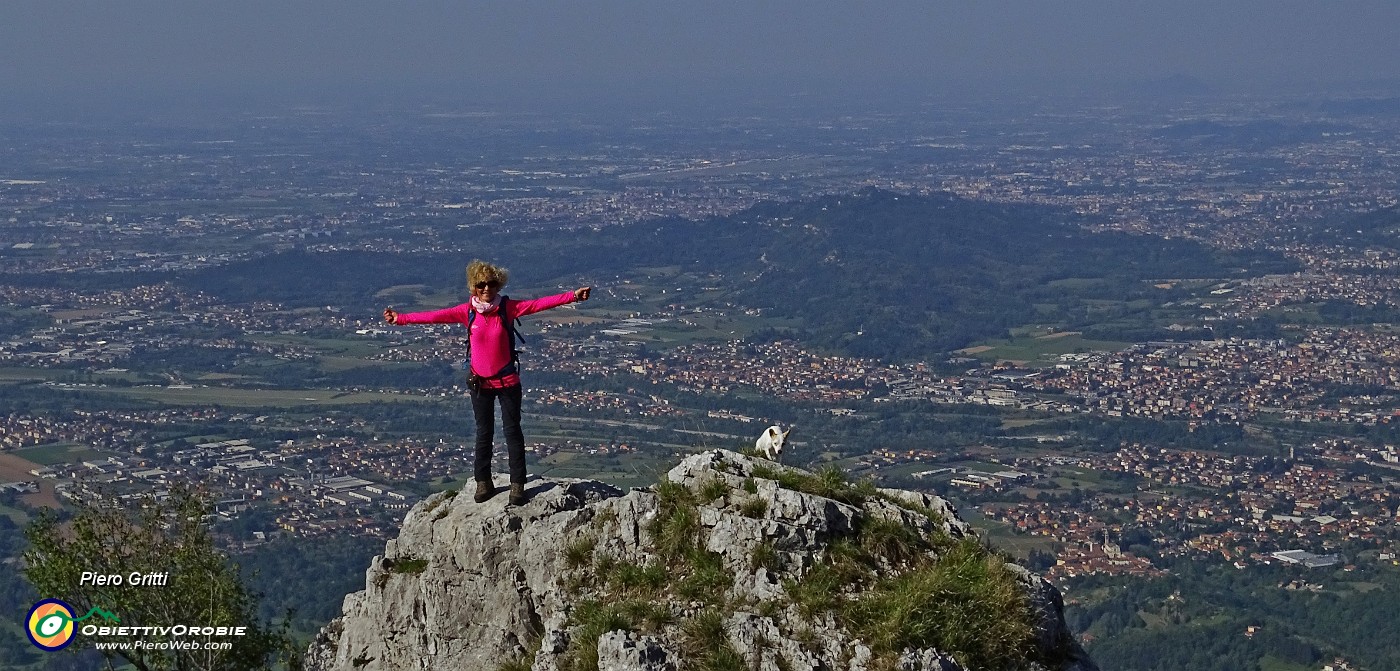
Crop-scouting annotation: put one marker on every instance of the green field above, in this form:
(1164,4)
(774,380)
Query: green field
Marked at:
(1276,664)
(60,453)
(623,471)
(27,374)
(257,398)
(1041,350)
(358,348)
(620,470)
(1001,536)
(336,364)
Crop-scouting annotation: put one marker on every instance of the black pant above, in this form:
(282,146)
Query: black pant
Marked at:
(484,407)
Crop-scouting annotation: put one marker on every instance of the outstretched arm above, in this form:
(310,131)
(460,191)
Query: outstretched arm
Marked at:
(522,308)
(452,315)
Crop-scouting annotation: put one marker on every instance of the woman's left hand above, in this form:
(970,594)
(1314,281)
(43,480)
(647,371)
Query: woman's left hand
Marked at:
(581,293)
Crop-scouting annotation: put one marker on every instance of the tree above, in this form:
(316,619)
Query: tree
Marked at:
(200,588)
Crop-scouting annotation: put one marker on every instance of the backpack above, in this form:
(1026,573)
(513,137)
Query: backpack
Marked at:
(514,365)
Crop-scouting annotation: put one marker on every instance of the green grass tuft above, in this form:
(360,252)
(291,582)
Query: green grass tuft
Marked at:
(713,489)
(892,541)
(630,578)
(593,619)
(526,661)
(830,482)
(676,526)
(817,592)
(753,507)
(967,604)
(707,577)
(765,556)
(580,552)
(705,645)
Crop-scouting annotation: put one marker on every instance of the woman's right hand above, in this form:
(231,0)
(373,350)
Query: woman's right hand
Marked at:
(391,316)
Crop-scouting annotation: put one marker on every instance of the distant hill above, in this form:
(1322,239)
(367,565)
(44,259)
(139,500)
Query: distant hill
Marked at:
(886,275)
(872,274)
(1379,228)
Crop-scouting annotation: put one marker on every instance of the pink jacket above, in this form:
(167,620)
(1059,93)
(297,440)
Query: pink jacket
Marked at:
(489,340)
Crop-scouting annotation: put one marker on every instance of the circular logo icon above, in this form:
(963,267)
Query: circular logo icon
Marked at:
(50,624)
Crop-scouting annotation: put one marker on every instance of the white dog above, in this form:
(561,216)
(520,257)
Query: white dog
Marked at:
(770,444)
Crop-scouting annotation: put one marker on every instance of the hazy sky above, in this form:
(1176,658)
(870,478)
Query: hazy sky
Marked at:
(63,48)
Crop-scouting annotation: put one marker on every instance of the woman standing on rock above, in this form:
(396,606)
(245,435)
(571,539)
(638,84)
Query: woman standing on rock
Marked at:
(494,371)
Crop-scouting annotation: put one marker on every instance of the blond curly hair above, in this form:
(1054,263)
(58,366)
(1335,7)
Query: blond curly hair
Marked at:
(479,271)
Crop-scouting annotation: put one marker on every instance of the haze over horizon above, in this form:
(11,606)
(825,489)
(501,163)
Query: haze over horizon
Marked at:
(150,52)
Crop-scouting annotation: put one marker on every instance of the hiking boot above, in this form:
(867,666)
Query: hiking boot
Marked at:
(484,490)
(517,494)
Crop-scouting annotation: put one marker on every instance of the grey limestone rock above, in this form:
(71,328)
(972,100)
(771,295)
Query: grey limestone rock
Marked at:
(626,651)
(476,586)
(928,660)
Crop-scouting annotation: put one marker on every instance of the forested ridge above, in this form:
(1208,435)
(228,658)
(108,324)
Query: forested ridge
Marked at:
(1200,618)
(870,274)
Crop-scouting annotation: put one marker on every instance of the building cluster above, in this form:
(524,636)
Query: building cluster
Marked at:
(1238,379)
(1197,504)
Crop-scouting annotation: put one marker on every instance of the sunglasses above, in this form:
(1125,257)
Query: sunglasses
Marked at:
(492,284)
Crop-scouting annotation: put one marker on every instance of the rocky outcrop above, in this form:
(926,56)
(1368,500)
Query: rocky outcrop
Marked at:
(730,561)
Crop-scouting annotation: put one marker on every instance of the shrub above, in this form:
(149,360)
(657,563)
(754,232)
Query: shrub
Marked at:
(408,566)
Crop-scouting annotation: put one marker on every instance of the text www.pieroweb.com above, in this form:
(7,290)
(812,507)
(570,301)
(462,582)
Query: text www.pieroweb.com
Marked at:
(177,631)
(164,645)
